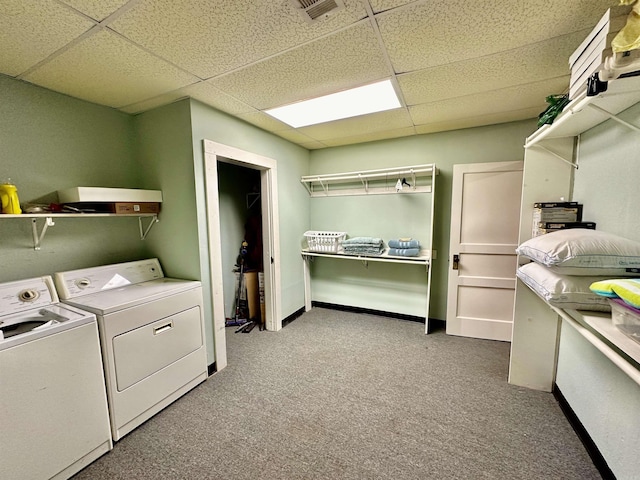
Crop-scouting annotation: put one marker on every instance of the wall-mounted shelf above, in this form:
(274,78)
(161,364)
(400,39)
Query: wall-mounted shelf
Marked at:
(417,179)
(422,259)
(585,112)
(48,221)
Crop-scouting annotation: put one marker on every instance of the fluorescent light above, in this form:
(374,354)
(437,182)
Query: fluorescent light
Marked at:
(375,97)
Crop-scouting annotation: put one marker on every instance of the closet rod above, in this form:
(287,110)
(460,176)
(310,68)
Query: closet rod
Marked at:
(370,173)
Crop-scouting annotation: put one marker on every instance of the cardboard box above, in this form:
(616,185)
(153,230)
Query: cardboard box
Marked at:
(135,208)
(253,295)
(263,317)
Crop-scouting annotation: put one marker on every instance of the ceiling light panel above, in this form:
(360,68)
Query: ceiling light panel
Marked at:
(31,31)
(372,98)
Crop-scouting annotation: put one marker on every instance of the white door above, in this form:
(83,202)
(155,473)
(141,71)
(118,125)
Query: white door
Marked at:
(485,216)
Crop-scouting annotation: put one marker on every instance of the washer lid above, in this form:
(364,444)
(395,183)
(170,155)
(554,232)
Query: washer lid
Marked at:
(108,301)
(36,323)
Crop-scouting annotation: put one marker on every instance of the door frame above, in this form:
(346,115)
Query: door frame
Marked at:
(217,152)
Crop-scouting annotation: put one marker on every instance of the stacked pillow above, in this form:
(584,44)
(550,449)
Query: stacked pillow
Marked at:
(567,262)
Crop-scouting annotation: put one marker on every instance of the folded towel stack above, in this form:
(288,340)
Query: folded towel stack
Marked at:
(404,247)
(363,246)
(403,252)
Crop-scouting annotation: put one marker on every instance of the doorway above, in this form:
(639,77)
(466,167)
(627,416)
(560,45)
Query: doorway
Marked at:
(217,155)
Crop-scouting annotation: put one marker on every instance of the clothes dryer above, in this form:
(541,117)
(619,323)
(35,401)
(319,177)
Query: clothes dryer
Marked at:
(53,405)
(151,332)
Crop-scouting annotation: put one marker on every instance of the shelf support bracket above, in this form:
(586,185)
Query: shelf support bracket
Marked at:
(365,182)
(38,237)
(614,117)
(559,157)
(145,231)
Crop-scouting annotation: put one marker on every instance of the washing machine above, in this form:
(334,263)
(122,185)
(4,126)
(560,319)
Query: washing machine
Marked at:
(151,333)
(53,405)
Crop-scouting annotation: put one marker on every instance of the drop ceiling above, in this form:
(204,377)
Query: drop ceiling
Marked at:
(455,63)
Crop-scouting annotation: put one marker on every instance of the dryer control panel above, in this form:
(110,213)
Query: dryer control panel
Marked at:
(76,283)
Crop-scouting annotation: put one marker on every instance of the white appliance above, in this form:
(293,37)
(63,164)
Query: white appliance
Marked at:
(151,332)
(53,406)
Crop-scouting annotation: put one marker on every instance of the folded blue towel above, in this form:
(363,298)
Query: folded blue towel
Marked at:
(404,244)
(404,252)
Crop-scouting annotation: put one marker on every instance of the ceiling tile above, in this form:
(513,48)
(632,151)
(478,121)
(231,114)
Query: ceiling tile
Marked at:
(383,5)
(520,97)
(480,121)
(264,121)
(361,125)
(370,137)
(344,60)
(207,93)
(531,63)
(296,137)
(96,9)
(155,102)
(208,38)
(438,32)
(107,69)
(31,30)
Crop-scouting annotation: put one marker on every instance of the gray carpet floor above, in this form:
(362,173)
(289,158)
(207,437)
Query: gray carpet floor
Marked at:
(338,395)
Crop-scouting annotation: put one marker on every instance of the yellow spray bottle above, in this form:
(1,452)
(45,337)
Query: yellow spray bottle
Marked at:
(9,198)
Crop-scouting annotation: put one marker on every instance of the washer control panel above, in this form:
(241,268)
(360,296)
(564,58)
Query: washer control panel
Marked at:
(26,294)
(97,279)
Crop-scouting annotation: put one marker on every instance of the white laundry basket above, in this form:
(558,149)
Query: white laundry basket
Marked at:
(327,242)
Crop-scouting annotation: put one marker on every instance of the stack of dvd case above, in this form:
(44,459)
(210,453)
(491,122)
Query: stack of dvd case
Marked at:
(552,216)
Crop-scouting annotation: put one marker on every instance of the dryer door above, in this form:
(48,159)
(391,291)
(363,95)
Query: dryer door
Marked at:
(148,349)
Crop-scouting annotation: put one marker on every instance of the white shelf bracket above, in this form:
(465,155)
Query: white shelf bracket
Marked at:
(614,117)
(559,157)
(324,187)
(413,179)
(145,231)
(37,238)
(364,181)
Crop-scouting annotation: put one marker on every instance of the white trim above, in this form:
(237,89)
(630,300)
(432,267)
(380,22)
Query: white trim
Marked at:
(213,153)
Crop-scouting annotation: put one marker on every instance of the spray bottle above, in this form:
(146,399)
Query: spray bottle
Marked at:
(9,198)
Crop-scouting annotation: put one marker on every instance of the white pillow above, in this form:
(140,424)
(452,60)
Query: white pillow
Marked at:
(585,251)
(562,291)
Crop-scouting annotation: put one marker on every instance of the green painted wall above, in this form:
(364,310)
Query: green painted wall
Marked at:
(396,287)
(293,201)
(48,142)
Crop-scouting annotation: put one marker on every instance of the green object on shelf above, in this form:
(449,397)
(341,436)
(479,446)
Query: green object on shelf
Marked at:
(556,104)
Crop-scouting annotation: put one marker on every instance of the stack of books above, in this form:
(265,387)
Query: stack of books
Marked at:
(552,216)
(590,55)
